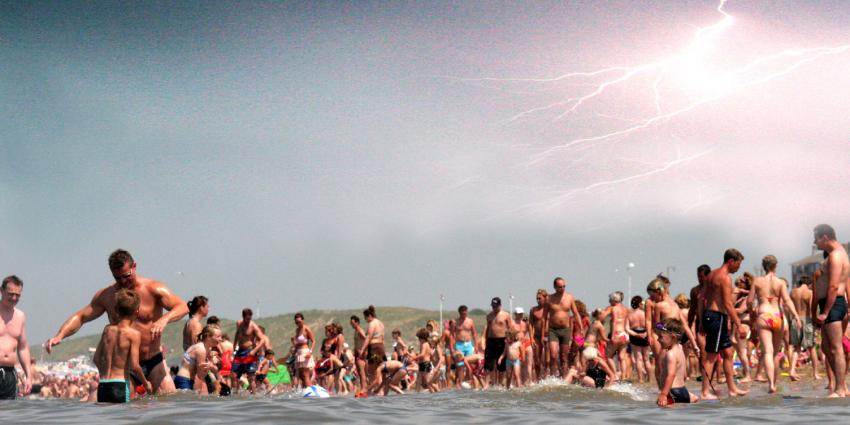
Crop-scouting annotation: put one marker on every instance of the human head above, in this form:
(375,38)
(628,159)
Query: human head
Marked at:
(732,258)
(510,334)
(11,289)
(210,334)
(682,301)
(422,334)
(463,310)
(541,297)
(123,267)
(247,313)
(768,263)
(354,320)
(804,280)
(496,303)
(396,333)
(615,297)
(745,281)
(369,313)
(559,284)
(590,353)
(636,301)
(214,320)
(299,318)
(824,234)
(582,308)
(126,303)
(518,313)
(431,326)
(198,303)
(702,273)
(670,331)
(655,289)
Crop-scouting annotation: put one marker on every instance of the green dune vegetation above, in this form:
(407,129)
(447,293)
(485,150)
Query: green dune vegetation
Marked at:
(280,328)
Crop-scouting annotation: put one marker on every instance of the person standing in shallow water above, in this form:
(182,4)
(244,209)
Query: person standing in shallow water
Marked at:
(198,309)
(150,321)
(833,313)
(557,331)
(719,310)
(13,340)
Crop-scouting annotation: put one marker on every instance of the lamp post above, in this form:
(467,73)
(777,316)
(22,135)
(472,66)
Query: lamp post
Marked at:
(669,268)
(630,267)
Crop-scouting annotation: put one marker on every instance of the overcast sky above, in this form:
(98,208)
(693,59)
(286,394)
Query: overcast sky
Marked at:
(337,154)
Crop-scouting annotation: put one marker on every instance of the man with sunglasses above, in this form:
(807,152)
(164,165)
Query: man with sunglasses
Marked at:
(150,320)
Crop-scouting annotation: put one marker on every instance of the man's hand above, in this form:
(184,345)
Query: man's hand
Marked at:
(661,401)
(821,318)
(27,385)
(51,342)
(158,327)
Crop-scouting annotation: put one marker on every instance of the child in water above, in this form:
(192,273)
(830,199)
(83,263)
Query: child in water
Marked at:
(597,373)
(511,356)
(117,353)
(672,365)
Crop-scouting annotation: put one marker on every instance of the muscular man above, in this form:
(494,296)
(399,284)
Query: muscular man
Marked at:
(498,322)
(695,312)
(719,308)
(13,340)
(150,320)
(834,311)
(803,339)
(465,337)
(249,340)
(556,325)
(535,319)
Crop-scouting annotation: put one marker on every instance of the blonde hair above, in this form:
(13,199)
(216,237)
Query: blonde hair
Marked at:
(590,353)
(682,300)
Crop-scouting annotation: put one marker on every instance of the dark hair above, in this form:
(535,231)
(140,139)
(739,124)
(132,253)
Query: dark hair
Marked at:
(423,334)
(13,279)
(636,300)
(824,230)
(462,308)
(732,254)
(396,331)
(804,280)
(369,312)
(555,281)
(769,263)
(298,316)
(247,312)
(196,303)
(126,302)
(674,326)
(213,320)
(355,319)
(703,270)
(119,258)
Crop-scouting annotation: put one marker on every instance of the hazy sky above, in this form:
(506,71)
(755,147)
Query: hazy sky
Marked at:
(337,154)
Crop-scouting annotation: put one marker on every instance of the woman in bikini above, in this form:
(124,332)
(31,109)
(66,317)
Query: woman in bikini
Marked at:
(770,292)
(373,350)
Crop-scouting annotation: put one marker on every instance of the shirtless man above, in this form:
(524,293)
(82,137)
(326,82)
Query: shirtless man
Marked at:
(556,326)
(13,340)
(718,309)
(535,319)
(803,339)
(834,311)
(150,320)
(359,343)
(198,309)
(498,322)
(464,335)
(771,292)
(619,337)
(248,340)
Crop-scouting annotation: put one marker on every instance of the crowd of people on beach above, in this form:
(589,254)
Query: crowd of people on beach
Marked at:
(662,339)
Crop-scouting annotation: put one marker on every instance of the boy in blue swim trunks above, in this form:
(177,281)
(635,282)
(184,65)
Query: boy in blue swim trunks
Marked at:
(117,353)
(512,358)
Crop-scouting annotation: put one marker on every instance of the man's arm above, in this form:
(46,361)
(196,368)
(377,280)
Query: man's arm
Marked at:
(474,335)
(544,326)
(177,308)
(668,381)
(692,312)
(834,277)
(88,313)
(813,303)
(24,355)
(726,294)
(260,336)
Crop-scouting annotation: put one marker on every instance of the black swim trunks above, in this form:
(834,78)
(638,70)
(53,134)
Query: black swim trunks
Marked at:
(680,395)
(838,310)
(638,341)
(8,383)
(425,367)
(716,326)
(494,349)
(113,391)
(147,367)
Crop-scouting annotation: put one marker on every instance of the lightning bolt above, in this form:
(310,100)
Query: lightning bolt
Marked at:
(757,71)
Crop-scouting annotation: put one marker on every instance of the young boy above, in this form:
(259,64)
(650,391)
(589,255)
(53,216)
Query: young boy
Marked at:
(672,365)
(512,355)
(424,361)
(117,353)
